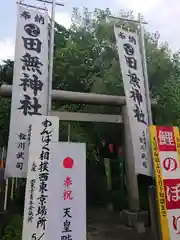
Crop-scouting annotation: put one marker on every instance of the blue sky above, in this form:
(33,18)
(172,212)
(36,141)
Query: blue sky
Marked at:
(162,16)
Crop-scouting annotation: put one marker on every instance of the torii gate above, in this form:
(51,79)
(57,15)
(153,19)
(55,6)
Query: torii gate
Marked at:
(122,118)
(98,99)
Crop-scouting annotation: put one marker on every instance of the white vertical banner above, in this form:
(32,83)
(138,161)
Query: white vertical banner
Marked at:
(133,79)
(67,186)
(30,85)
(45,132)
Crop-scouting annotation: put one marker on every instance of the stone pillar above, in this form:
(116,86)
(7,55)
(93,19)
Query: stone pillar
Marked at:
(133,217)
(131,178)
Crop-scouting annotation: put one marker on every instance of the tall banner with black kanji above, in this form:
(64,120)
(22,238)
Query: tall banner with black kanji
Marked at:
(30,85)
(44,133)
(165,143)
(133,79)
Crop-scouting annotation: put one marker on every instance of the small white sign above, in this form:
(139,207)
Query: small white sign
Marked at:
(45,131)
(67,190)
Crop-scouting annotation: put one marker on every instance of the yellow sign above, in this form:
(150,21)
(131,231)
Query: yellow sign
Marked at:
(177,140)
(159,185)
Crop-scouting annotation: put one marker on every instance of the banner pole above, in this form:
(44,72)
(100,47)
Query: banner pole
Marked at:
(146,86)
(6,194)
(12,189)
(151,192)
(6,184)
(51,57)
(69,132)
(146,82)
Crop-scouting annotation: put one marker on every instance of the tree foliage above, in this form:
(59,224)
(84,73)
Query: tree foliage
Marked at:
(86,60)
(13,230)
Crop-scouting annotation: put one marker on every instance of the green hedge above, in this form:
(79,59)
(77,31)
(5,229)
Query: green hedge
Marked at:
(13,231)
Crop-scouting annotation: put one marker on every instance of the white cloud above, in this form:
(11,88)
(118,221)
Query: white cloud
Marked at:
(63,18)
(6,49)
(161,15)
(138,5)
(7,46)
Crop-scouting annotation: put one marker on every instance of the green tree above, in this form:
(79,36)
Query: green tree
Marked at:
(13,230)
(6,76)
(86,60)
